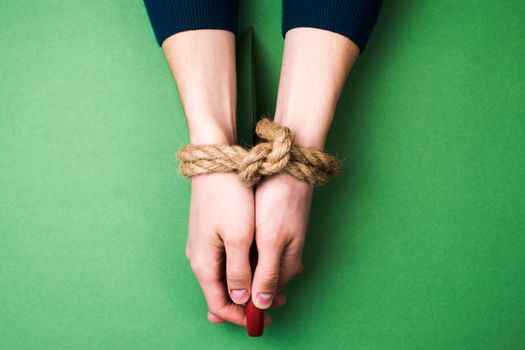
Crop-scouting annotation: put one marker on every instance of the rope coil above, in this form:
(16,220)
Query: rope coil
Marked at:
(276,153)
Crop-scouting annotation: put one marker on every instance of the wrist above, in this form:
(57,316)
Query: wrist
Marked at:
(212,130)
(306,133)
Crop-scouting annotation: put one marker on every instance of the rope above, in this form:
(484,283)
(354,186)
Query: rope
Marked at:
(277,153)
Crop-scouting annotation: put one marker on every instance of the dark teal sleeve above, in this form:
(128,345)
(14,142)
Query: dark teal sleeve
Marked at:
(168,17)
(354,19)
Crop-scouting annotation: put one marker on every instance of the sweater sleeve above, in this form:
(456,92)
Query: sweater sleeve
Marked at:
(354,19)
(168,17)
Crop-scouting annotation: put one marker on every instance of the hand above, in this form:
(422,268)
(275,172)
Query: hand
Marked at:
(221,230)
(282,209)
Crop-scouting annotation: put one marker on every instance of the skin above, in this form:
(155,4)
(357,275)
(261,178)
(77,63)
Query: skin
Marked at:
(225,215)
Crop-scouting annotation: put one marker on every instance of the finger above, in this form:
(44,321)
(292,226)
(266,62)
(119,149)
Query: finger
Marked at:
(208,272)
(219,303)
(238,271)
(291,263)
(214,319)
(266,276)
(279,300)
(267,319)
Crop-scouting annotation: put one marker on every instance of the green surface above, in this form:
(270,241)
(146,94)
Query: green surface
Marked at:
(418,245)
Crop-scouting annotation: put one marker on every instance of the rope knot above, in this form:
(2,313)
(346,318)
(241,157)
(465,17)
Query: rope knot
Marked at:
(267,158)
(276,153)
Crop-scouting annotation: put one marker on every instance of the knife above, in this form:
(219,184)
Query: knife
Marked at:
(247,119)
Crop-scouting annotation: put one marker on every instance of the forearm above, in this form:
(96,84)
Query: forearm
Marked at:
(315,66)
(203,65)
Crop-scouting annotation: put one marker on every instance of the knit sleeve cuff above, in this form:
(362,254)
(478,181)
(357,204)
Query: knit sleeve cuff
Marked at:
(168,17)
(354,19)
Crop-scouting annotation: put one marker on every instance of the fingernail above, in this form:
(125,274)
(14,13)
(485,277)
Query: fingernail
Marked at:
(265,299)
(239,293)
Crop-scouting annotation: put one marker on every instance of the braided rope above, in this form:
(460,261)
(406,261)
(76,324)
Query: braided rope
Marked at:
(278,153)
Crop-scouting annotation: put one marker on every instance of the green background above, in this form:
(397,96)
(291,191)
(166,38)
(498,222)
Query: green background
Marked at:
(418,245)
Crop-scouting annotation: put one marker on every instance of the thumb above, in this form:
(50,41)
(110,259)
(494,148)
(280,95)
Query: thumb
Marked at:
(266,276)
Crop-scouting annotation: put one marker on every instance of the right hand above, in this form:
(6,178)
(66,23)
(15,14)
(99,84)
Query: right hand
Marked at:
(221,230)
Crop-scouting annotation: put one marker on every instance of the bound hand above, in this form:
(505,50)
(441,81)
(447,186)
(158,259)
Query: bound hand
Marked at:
(281,217)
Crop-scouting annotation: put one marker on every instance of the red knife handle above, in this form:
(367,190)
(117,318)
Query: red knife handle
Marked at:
(254,315)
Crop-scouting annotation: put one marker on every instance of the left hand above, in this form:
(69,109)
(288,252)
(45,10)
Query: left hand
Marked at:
(282,209)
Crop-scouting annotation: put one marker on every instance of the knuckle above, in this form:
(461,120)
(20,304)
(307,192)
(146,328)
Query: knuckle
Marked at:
(272,242)
(292,265)
(216,309)
(197,266)
(297,269)
(237,278)
(274,238)
(270,279)
(237,242)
